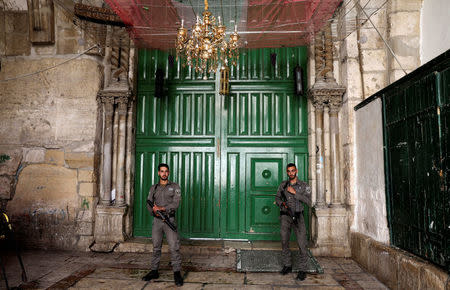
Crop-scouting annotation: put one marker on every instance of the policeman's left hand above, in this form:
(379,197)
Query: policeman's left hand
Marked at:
(291,190)
(158,208)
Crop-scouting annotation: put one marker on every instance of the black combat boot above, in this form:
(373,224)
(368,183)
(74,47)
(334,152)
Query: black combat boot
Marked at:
(178,279)
(153,274)
(285,270)
(301,276)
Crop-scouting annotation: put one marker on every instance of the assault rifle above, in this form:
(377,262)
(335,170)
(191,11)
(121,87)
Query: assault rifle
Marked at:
(291,214)
(164,216)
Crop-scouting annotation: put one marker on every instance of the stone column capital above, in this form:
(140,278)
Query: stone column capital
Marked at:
(318,105)
(115,94)
(104,99)
(335,102)
(327,93)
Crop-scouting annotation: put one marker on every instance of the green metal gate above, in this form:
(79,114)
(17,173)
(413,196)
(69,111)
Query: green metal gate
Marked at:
(228,153)
(416,124)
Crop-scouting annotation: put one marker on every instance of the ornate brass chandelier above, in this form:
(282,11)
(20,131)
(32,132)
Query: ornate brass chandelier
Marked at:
(206,47)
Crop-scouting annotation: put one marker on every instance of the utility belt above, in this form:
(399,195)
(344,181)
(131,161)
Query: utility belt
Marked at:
(297,214)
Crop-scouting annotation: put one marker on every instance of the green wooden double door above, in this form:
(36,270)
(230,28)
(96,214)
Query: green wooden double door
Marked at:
(228,153)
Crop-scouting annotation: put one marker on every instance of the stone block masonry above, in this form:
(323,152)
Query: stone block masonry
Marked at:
(396,268)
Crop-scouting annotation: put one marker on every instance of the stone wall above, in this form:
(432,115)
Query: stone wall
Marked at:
(396,268)
(48,132)
(370,210)
(434,34)
(365,65)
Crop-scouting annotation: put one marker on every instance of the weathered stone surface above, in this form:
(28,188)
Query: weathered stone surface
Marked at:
(10,160)
(85,228)
(359,246)
(46,188)
(397,74)
(103,247)
(432,277)
(34,155)
(109,224)
(409,272)
(234,286)
(351,46)
(35,112)
(404,23)
(88,202)
(85,175)
(80,160)
(373,82)
(2,33)
(353,79)
(5,187)
(370,39)
(383,263)
(84,242)
(374,60)
(110,283)
(16,33)
(379,19)
(332,226)
(215,277)
(54,157)
(406,5)
(139,247)
(86,215)
(87,189)
(67,46)
(44,49)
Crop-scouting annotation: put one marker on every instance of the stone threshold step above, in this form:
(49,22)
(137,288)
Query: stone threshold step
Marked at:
(144,245)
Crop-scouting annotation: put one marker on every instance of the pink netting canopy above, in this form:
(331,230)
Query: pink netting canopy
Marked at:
(260,23)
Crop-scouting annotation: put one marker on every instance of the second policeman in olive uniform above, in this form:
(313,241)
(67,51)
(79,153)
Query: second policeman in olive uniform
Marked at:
(293,193)
(166,196)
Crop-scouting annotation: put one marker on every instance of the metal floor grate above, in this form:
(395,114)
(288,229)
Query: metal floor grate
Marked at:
(270,261)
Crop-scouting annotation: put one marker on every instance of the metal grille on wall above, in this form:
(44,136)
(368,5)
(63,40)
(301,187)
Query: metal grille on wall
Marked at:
(416,132)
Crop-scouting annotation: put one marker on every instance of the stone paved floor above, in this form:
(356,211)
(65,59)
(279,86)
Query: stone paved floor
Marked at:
(81,270)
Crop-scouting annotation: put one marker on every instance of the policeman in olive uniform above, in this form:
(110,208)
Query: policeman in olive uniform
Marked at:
(166,196)
(292,194)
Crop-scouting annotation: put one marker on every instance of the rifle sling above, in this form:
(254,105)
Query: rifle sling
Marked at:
(153,200)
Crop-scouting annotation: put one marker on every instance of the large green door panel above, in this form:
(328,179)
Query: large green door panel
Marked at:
(268,64)
(265,172)
(228,153)
(273,113)
(179,130)
(182,114)
(263,131)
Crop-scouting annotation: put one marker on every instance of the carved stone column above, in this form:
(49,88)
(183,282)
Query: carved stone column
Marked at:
(116,129)
(120,179)
(320,158)
(112,219)
(335,105)
(330,221)
(108,109)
